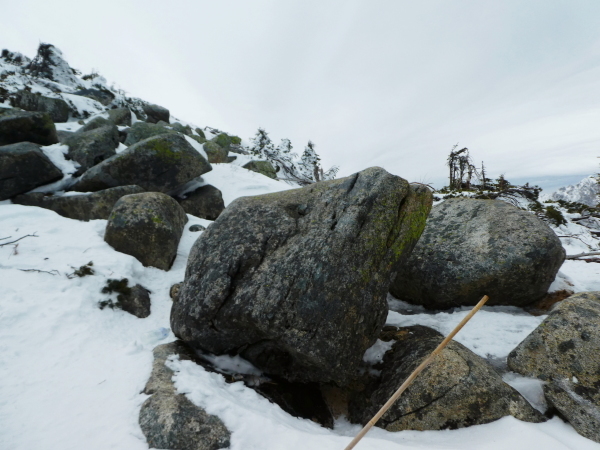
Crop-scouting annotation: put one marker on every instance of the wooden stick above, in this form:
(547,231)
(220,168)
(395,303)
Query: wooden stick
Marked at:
(413,375)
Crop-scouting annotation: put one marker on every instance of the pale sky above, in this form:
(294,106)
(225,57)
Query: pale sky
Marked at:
(390,83)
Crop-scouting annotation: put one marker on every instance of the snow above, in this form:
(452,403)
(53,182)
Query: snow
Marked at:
(586,192)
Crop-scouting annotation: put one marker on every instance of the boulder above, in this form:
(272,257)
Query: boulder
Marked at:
(105,97)
(97,205)
(205,202)
(57,108)
(155,113)
(36,127)
(134,300)
(263,167)
(196,227)
(96,122)
(169,419)
(457,389)
(198,139)
(224,140)
(92,147)
(200,133)
(187,130)
(147,226)
(142,130)
(474,247)
(564,351)
(215,153)
(64,135)
(23,167)
(120,116)
(160,163)
(296,281)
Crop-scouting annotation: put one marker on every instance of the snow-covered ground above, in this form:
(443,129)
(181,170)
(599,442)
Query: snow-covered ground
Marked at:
(71,374)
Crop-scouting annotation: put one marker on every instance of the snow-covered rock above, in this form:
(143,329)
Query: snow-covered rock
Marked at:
(586,192)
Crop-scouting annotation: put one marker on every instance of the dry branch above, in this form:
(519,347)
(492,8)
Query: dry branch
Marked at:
(16,240)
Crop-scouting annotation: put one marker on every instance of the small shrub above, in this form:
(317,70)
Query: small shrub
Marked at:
(555,216)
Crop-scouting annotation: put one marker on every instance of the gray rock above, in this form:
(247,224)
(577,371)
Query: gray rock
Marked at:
(200,133)
(181,129)
(97,205)
(263,167)
(147,226)
(198,139)
(564,351)
(474,247)
(104,97)
(160,163)
(96,122)
(57,108)
(142,130)
(197,227)
(168,419)
(225,141)
(63,135)
(296,281)
(205,202)
(36,127)
(92,147)
(215,153)
(155,113)
(23,167)
(458,388)
(231,159)
(120,116)
(134,300)
(174,291)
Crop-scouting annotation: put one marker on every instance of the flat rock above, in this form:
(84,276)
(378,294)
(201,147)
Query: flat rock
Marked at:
(160,163)
(472,248)
(147,226)
(24,167)
(96,205)
(296,281)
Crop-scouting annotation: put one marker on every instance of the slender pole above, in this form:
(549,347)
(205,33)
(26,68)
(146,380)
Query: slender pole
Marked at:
(413,375)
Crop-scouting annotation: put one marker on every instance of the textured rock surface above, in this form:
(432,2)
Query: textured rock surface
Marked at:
(565,351)
(215,153)
(161,163)
(137,302)
(147,226)
(475,247)
(104,97)
(57,108)
(456,390)
(263,167)
(36,127)
(120,116)
(168,419)
(296,281)
(96,122)
(92,147)
(205,202)
(97,205)
(23,167)
(142,130)
(155,113)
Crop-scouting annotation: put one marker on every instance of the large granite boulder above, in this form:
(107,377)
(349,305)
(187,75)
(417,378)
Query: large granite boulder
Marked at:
(142,130)
(471,248)
(168,419)
(104,96)
(96,205)
(92,147)
(564,351)
(160,163)
(205,202)
(296,281)
(263,167)
(23,167)
(147,226)
(120,116)
(155,113)
(57,108)
(457,389)
(96,122)
(215,153)
(21,126)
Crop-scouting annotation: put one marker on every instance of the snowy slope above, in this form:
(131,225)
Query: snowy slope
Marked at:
(586,192)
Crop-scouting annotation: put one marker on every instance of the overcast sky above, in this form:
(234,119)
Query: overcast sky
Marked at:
(390,83)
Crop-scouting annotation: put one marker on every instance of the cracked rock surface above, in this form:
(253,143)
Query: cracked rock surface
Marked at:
(457,389)
(296,281)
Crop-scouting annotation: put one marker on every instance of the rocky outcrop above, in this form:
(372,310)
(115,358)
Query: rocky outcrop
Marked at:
(105,97)
(475,247)
(215,153)
(155,113)
(21,126)
(97,205)
(23,167)
(263,167)
(161,163)
(57,108)
(92,147)
(205,202)
(142,130)
(296,281)
(456,390)
(170,420)
(147,226)
(564,351)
